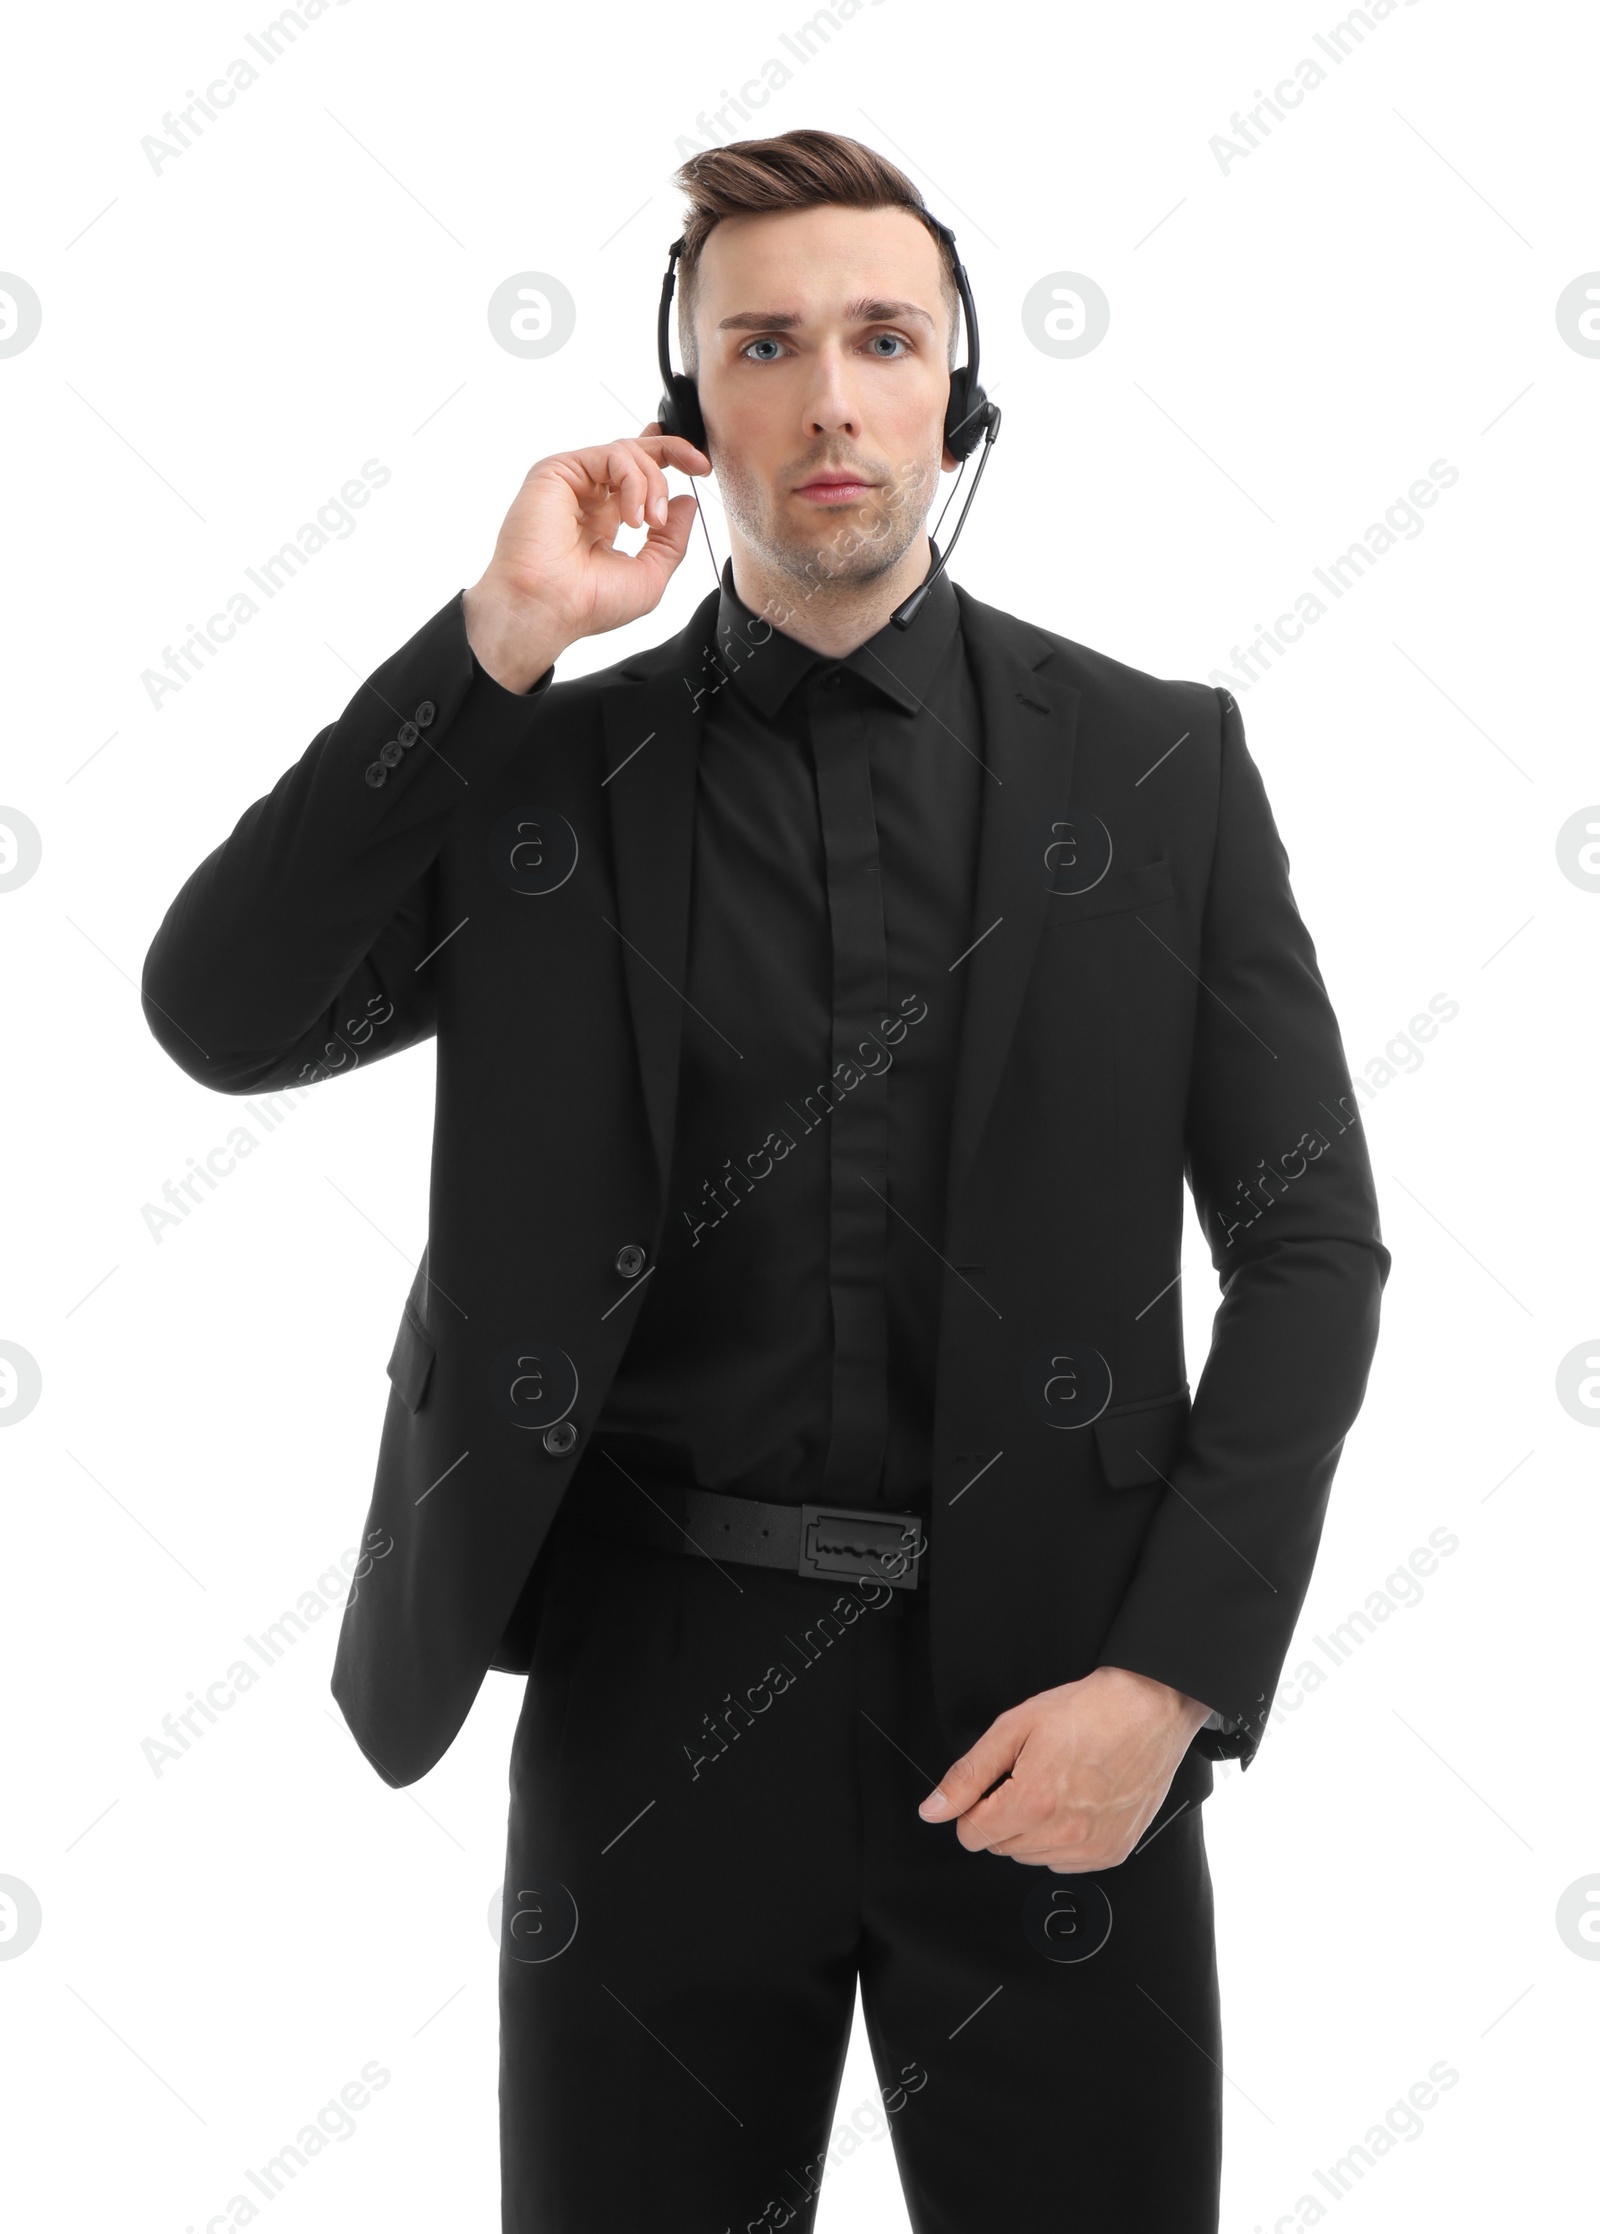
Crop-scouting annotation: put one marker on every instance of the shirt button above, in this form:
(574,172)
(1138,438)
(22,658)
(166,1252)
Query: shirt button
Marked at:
(830,680)
(558,1440)
(630,1260)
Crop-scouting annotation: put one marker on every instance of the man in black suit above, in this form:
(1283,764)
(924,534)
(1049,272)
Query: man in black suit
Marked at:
(828,1015)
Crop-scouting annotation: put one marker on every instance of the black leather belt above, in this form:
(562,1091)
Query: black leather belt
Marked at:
(812,1539)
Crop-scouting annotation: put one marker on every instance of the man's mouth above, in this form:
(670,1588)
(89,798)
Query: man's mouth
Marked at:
(834,488)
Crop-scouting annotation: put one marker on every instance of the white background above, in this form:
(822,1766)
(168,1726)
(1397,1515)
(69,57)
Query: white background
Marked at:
(1292,342)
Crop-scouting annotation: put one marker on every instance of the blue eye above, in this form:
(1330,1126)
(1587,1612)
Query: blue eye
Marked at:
(899,345)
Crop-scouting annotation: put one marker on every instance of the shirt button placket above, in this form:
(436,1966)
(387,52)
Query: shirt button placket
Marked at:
(858,1148)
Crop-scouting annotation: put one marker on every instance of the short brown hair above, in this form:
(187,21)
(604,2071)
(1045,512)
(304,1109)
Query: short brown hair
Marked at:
(798,170)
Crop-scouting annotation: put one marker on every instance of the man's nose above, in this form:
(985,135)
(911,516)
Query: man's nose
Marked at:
(832,407)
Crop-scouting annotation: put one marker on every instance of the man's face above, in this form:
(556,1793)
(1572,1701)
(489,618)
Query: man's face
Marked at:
(823,373)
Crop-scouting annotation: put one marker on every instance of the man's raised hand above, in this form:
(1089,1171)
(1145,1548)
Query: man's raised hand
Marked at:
(556,575)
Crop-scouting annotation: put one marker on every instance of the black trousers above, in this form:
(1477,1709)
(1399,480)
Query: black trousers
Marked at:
(713,1834)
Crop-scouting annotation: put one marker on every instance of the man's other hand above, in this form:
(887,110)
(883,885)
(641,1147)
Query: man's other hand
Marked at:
(1086,1766)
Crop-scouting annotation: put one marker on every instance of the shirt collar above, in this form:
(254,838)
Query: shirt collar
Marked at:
(901,662)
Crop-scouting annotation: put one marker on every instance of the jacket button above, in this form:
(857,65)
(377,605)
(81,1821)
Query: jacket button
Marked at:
(377,773)
(630,1260)
(558,1440)
(424,713)
(407,734)
(390,754)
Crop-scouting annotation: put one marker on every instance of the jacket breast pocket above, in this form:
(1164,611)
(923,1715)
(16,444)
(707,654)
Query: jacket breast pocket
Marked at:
(1118,891)
(411,1361)
(1139,1442)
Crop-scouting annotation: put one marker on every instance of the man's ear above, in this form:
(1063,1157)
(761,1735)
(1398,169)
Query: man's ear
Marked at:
(949,462)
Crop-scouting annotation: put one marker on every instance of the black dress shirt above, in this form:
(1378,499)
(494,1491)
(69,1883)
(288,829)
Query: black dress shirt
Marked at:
(785,1345)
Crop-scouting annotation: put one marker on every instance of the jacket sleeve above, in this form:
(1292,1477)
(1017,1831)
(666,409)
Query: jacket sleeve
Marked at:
(1276,1160)
(300,948)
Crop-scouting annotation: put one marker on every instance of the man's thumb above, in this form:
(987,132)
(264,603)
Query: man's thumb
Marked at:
(966,1780)
(669,539)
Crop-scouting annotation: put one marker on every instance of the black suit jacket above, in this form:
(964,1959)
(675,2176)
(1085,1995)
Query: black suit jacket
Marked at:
(516,886)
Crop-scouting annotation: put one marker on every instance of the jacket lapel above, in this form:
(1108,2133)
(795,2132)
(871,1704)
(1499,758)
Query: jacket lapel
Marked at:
(652,737)
(1030,719)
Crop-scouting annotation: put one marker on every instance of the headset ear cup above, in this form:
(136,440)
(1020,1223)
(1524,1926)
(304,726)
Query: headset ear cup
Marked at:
(966,415)
(678,412)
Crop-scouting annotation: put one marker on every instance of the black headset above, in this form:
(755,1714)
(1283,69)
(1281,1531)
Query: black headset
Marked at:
(969,417)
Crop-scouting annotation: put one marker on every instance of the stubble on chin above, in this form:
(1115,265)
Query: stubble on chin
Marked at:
(831,558)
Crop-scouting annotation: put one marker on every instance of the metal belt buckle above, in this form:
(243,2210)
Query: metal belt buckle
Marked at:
(844,1540)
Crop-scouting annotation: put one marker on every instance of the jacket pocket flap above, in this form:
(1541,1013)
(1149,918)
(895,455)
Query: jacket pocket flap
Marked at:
(1119,889)
(410,1362)
(1140,1444)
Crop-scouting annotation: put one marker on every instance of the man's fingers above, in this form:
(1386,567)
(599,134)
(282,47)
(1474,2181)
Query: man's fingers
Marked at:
(663,547)
(1053,1841)
(1016,1815)
(967,1779)
(632,468)
(675,450)
(645,452)
(626,472)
